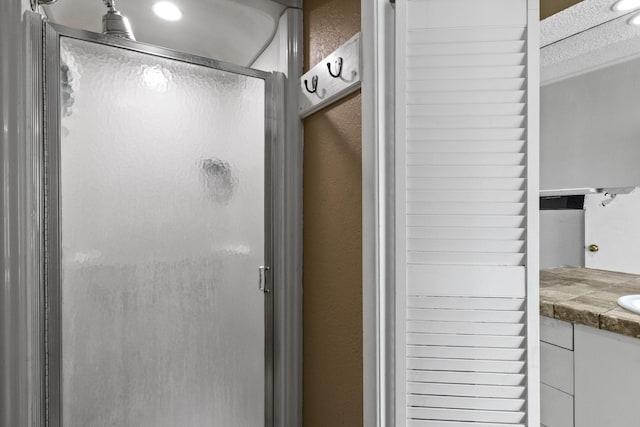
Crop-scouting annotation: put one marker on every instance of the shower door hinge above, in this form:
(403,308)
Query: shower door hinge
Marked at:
(262,279)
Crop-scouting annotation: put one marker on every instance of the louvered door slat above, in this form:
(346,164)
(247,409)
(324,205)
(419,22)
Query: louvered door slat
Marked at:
(466,134)
(483,95)
(466,402)
(470,158)
(459,365)
(475,303)
(448,314)
(443,339)
(447,220)
(471,96)
(466,390)
(465,60)
(466,35)
(464,171)
(452,233)
(478,122)
(439,423)
(468,378)
(464,328)
(495,72)
(463,246)
(472,183)
(461,208)
(484,109)
(464,146)
(463,204)
(464,258)
(463,196)
(467,85)
(465,415)
(473,353)
(479,47)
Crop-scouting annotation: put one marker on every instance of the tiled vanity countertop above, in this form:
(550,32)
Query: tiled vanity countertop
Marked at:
(589,297)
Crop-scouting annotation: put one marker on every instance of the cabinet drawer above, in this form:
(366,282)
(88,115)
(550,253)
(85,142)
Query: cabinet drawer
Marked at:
(556,367)
(556,332)
(556,408)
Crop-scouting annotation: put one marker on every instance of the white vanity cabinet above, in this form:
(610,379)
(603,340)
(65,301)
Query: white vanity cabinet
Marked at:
(556,373)
(589,377)
(607,378)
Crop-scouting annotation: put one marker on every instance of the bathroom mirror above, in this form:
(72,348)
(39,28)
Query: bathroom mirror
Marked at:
(590,98)
(590,137)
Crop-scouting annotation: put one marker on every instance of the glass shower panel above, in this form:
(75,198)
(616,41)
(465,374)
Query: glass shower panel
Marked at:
(162,229)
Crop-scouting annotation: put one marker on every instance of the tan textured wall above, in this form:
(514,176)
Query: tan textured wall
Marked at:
(332,234)
(551,7)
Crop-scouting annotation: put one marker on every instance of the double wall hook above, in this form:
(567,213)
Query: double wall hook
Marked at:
(339,62)
(314,85)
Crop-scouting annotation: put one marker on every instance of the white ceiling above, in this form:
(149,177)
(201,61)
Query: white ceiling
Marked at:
(228,30)
(586,37)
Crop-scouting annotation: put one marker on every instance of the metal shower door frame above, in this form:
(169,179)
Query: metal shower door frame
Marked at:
(47,312)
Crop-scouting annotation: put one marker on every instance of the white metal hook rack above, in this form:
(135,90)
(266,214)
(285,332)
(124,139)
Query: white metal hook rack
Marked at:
(333,78)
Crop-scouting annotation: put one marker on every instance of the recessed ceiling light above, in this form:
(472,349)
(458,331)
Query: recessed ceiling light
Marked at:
(635,19)
(169,11)
(622,5)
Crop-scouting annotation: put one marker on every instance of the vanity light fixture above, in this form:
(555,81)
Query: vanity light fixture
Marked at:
(169,11)
(623,5)
(635,19)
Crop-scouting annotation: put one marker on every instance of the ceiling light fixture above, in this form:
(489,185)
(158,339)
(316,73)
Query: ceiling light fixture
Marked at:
(635,19)
(169,11)
(623,5)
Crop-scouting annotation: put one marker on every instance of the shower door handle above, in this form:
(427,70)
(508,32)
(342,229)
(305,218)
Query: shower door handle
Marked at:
(262,278)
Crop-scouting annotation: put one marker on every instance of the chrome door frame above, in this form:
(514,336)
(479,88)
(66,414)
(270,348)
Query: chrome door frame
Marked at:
(49,315)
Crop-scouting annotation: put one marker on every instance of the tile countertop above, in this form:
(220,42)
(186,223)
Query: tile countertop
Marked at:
(589,297)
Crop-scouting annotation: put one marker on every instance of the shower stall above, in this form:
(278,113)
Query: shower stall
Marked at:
(156,191)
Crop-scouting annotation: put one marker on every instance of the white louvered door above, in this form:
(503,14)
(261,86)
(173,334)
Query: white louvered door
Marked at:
(466,213)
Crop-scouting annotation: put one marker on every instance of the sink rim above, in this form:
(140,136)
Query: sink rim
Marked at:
(630,302)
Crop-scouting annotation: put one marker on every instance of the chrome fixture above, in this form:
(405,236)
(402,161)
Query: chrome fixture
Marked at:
(607,202)
(613,192)
(262,279)
(36,3)
(114,23)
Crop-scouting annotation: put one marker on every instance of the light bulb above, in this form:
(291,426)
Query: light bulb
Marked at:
(169,11)
(623,5)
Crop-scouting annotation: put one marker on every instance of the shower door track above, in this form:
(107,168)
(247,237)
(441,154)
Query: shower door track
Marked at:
(47,407)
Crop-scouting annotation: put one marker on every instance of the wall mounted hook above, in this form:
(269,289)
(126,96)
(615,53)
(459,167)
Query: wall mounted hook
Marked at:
(314,85)
(317,88)
(339,62)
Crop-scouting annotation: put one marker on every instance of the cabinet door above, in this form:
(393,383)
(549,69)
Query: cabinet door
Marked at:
(556,408)
(466,213)
(607,375)
(556,367)
(616,231)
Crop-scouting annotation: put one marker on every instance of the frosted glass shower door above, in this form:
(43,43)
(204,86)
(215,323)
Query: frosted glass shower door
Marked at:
(157,188)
